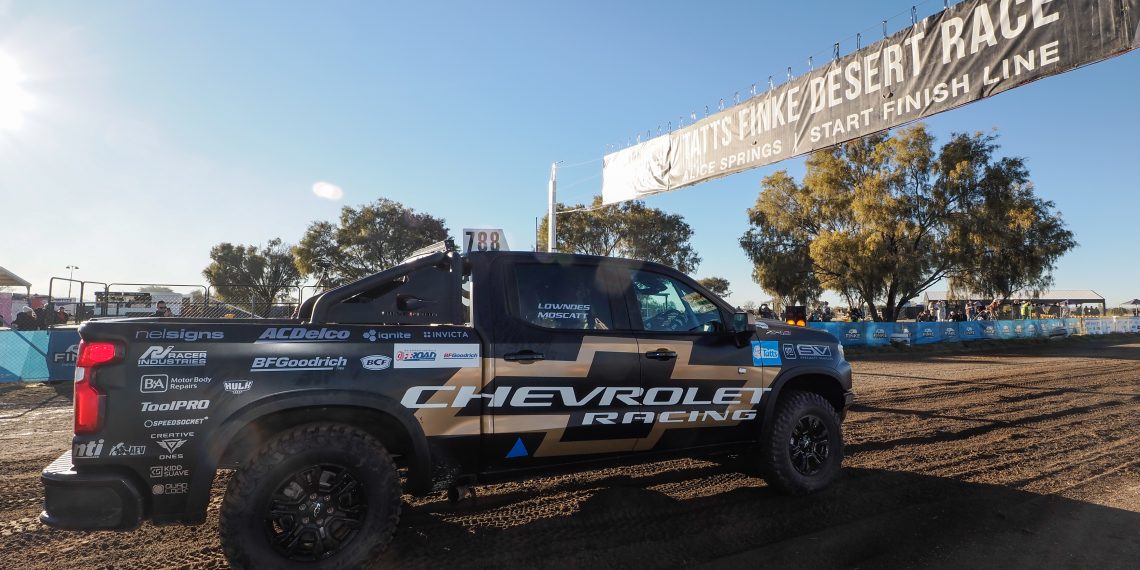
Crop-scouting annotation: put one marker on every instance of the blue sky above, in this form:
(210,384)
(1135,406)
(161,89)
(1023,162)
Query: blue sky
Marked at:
(158,129)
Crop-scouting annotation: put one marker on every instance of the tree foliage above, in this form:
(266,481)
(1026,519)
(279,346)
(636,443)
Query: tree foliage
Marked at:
(155,289)
(629,229)
(252,277)
(718,285)
(883,218)
(368,239)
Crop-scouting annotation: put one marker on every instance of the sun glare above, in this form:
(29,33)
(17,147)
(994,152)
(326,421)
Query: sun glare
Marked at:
(14,101)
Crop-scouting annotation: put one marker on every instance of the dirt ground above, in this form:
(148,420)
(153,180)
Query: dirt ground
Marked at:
(1020,458)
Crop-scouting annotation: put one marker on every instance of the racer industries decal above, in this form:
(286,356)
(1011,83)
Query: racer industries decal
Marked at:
(436,355)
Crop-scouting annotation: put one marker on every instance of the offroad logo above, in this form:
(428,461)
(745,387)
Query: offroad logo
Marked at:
(87,450)
(170,489)
(180,334)
(298,334)
(436,356)
(121,449)
(415,356)
(68,356)
(165,471)
(237,387)
(373,336)
(167,356)
(176,406)
(376,362)
(286,364)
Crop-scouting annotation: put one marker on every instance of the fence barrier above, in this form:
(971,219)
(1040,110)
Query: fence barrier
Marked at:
(51,354)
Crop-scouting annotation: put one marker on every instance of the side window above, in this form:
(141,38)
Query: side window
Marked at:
(668,305)
(560,297)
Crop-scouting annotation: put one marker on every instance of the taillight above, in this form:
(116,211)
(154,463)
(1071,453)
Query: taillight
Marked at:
(799,323)
(87,398)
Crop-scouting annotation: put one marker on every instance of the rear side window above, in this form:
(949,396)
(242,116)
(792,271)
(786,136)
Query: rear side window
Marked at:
(562,297)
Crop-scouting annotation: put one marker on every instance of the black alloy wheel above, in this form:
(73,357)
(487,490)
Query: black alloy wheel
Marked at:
(315,511)
(802,450)
(809,445)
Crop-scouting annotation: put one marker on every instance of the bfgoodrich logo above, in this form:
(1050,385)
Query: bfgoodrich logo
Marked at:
(284,363)
(298,334)
(167,356)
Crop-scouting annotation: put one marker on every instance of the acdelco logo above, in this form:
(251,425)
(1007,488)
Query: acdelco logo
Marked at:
(176,406)
(298,334)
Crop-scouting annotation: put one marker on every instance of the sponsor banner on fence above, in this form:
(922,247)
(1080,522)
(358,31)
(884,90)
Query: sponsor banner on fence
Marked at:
(927,333)
(38,355)
(972,50)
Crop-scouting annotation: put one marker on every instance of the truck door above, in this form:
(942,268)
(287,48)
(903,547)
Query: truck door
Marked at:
(565,370)
(701,386)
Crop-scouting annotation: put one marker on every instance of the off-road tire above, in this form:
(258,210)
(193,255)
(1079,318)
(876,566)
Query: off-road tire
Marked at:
(245,522)
(782,460)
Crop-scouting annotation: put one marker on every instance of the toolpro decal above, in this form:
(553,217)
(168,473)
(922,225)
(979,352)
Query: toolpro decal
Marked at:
(436,356)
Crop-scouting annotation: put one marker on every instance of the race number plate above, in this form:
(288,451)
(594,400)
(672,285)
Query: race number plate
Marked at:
(484,239)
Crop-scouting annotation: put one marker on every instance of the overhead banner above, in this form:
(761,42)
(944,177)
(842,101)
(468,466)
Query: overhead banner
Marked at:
(974,49)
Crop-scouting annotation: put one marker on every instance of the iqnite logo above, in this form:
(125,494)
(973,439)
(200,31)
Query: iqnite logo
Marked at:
(176,406)
(298,334)
(87,450)
(167,356)
(286,364)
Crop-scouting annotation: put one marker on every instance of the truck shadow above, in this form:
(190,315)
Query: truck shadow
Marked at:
(869,518)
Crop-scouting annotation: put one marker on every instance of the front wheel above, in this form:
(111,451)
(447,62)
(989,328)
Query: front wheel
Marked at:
(804,448)
(318,496)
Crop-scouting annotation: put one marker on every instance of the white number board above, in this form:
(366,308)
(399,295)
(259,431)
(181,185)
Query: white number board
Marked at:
(484,239)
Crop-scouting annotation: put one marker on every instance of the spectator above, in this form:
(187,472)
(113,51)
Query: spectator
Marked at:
(161,310)
(855,314)
(941,314)
(25,320)
(765,312)
(61,316)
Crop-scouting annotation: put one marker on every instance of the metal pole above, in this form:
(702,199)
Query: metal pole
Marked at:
(70,275)
(552,226)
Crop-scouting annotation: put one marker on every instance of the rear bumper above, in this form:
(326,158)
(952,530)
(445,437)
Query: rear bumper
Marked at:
(89,501)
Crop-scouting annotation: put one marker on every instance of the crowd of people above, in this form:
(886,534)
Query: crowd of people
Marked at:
(943,311)
(37,319)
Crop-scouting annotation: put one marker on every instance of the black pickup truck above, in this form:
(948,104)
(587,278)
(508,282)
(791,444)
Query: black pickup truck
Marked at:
(442,373)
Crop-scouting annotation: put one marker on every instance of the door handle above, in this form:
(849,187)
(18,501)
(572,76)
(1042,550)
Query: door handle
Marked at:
(661,354)
(525,356)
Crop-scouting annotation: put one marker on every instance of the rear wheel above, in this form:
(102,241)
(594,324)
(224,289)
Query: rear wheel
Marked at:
(318,496)
(804,449)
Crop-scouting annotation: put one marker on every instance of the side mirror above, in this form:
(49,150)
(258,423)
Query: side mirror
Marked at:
(742,328)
